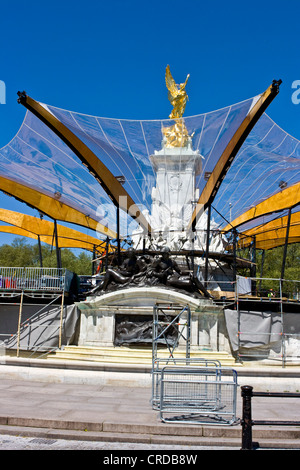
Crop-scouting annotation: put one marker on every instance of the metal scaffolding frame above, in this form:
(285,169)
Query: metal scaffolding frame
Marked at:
(163,327)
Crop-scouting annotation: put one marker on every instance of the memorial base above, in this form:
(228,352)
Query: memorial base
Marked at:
(101,315)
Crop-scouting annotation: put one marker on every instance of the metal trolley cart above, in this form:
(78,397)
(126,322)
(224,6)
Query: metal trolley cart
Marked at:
(198,395)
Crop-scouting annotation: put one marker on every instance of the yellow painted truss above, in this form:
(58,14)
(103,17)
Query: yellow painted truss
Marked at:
(288,197)
(33,227)
(273,234)
(51,206)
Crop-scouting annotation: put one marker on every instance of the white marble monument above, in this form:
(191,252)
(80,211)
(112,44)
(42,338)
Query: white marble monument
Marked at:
(173,200)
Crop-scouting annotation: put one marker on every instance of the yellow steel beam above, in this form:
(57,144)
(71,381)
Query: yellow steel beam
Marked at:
(276,224)
(269,243)
(288,197)
(51,207)
(273,233)
(50,240)
(43,227)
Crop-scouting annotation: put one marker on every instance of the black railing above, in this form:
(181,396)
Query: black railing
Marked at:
(247,422)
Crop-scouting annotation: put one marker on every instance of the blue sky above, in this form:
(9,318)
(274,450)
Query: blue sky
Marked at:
(108,58)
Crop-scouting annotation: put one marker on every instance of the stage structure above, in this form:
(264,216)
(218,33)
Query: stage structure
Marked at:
(183,192)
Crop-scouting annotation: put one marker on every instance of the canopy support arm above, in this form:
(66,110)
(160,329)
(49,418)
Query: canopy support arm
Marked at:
(207,245)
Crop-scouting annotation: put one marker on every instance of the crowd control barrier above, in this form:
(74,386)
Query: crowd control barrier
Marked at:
(198,395)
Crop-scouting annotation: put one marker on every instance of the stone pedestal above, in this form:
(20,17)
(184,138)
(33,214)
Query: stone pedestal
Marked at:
(98,316)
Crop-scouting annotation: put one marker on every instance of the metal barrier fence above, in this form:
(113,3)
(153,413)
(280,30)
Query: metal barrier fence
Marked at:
(160,363)
(247,422)
(34,279)
(195,395)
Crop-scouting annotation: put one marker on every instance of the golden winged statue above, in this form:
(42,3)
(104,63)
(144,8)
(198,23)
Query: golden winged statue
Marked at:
(176,94)
(176,135)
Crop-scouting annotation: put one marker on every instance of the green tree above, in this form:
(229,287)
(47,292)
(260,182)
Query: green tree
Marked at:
(272,267)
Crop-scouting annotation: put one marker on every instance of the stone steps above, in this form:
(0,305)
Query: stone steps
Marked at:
(128,355)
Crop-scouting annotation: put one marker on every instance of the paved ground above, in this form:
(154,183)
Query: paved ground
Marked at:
(9,442)
(77,416)
(111,404)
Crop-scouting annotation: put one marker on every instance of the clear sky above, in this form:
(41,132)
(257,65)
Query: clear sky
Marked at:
(108,58)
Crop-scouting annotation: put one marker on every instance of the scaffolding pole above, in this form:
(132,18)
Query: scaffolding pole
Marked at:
(19,323)
(61,320)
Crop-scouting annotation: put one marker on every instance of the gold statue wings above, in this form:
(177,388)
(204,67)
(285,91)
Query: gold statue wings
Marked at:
(176,94)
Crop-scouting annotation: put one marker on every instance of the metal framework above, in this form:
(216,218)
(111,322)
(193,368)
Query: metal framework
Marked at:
(44,231)
(247,422)
(113,186)
(160,363)
(167,320)
(281,300)
(285,199)
(50,206)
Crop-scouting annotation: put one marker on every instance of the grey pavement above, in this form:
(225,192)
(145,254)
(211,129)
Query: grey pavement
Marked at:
(122,413)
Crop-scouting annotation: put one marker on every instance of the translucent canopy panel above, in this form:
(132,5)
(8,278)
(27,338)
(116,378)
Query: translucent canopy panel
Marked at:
(94,164)
(37,167)
(48,239)
(125,146)
(262,180)
(117,153)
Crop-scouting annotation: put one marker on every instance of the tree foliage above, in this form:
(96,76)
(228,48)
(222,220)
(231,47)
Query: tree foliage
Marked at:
(21,253)
(269,266)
